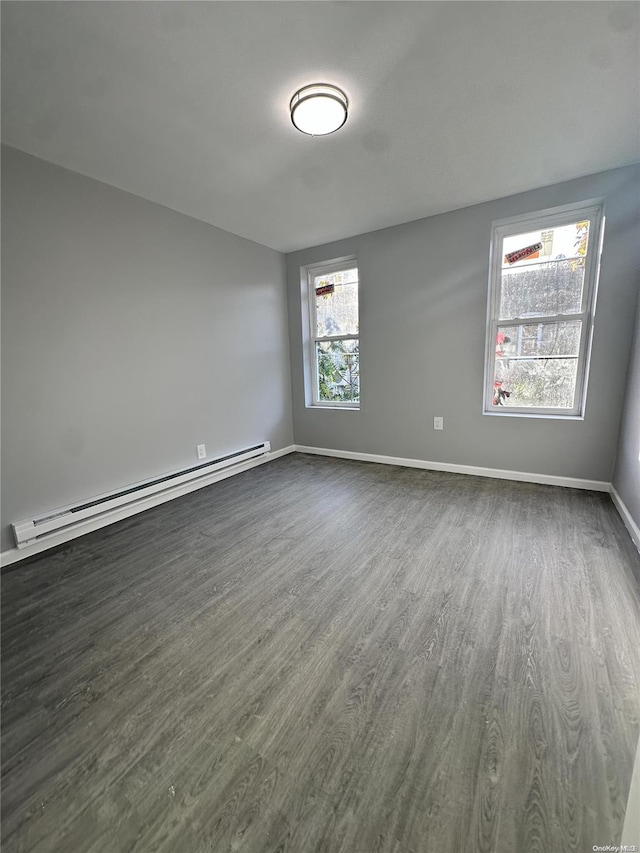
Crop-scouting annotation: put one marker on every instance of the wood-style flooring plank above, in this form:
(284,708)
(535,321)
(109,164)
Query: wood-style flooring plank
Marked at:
(326,656)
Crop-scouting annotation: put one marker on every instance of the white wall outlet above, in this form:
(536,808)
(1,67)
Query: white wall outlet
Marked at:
(202,450)
(438,423)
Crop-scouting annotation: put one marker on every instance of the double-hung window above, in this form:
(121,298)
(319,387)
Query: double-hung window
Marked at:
(543,283)
(335,345)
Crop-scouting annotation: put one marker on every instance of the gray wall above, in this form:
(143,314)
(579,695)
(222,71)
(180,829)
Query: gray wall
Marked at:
(423,312)
(626,478)
(130,333)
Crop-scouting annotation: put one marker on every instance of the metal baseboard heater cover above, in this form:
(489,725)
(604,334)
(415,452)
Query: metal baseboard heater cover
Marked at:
(31,530)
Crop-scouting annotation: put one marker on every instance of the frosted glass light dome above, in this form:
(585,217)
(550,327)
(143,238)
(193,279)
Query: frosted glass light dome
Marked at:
(319,109)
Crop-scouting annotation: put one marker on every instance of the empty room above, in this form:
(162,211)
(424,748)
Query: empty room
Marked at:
(320,427)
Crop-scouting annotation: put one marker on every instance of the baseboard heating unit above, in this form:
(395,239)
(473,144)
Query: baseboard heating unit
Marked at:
(145,494)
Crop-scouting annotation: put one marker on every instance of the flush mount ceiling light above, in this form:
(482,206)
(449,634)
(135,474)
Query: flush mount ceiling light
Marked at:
(319,109)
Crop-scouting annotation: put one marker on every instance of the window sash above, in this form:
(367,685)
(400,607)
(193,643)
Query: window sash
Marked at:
(579,357)
(589,211)
(345,404)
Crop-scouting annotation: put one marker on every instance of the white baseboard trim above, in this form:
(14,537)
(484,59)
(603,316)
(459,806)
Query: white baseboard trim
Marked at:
(625,515)
(13,555)
(496,473)
(631,827)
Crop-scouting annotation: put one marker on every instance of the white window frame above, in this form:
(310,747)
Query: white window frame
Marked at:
(592,210)
(313,271)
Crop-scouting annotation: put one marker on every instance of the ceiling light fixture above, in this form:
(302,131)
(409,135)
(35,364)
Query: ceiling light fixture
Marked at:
(319,109)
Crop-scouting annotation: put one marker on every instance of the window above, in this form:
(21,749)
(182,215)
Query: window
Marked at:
(335,355)
(543,281)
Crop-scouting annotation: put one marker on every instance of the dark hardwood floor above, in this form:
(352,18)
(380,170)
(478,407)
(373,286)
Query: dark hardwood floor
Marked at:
(326,655)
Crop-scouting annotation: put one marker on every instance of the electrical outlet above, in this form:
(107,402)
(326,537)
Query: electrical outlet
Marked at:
(202,450)
(438,423)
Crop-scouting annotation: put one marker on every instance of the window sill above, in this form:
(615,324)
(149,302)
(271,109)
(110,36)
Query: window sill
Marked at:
(542,416)
(318,407)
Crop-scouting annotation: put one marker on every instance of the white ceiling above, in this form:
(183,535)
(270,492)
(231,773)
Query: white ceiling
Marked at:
(453,103)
